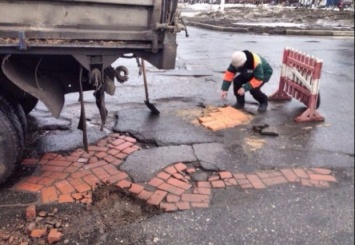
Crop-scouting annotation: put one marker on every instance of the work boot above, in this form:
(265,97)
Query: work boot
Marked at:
(263,106)
(238,106)
(240,102)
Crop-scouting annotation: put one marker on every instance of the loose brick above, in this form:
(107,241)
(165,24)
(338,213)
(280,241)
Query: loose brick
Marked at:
(110,158)
(178,183)
(157,197)
(172,198)
(171,189)
(256,182)
(195,198)
(25,186)
(130,139)
(100,172)
(230,182)
(191,170)
(239,176)
(155,182)
(130,150)
(301,173)
(111,169)
(95,164)
(59,176)
(92,180)
(179,176)
(274,181)
(82,187)
(218,184)
(274,173)
(65,187)
(243,182)
(97,148)
(213,178)
(262,175)
(183,205)
(101,155)
(322,171)
(115,178)
(123,184)
(123,146)
(31,213)
(65,199)
(80,174)
(113,152)
(163,176)
(290,175)
(328,178)
(54,236)
(118,142)
(38,233)
(136,189)
(168,207)
(117,162)
(170,170)
(180,167)
(144,195)
(225,175)
(121,155)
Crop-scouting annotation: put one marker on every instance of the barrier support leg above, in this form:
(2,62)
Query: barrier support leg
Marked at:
(280,94)
(311,113)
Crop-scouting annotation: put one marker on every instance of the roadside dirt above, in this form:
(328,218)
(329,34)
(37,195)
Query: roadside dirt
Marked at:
(276,20)
(77,223)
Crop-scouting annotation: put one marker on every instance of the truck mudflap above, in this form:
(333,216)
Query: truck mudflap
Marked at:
(43,88)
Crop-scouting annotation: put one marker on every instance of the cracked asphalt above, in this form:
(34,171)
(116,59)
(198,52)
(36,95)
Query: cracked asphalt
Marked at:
(281,214)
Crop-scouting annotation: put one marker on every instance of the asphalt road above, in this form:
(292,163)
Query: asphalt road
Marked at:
(284,214)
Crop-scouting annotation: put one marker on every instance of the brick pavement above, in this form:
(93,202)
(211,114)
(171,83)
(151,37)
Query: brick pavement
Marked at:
(72,178)
(224,117)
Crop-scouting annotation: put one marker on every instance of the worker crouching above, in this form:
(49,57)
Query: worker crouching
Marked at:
(248,72)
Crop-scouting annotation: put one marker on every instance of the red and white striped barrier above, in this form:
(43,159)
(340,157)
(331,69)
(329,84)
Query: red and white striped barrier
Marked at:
(300,77)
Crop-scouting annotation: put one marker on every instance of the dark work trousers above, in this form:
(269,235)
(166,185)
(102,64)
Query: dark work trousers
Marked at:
(256,92)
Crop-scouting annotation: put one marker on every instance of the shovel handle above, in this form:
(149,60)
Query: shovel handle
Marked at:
(145,80)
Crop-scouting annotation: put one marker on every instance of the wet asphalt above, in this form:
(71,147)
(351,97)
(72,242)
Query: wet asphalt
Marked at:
(285,214)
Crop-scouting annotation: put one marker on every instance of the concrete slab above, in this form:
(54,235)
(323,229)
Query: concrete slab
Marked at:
(143,164)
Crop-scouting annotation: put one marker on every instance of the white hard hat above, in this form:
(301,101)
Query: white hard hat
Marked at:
(238,59)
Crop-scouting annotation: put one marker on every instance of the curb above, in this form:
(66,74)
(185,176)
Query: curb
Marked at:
(320,33)
(287,32)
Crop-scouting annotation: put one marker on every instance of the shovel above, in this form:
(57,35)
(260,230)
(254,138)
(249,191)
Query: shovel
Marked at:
(151,107)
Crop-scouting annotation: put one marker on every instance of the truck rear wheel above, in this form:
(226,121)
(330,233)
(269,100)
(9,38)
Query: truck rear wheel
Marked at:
(11,139)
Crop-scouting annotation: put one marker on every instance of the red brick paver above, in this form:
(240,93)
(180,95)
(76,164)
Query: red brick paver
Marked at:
(72,178)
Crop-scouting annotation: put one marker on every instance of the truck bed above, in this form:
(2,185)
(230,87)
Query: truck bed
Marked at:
(88,27)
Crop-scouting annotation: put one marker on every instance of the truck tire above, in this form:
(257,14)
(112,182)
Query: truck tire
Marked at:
(11,140)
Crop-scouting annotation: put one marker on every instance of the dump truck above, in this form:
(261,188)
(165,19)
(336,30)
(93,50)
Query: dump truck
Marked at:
(55,47)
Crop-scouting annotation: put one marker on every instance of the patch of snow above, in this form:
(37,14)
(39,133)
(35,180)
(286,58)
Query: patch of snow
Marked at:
(284,24)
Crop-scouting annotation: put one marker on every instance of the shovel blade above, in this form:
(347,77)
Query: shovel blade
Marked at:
(152,108)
